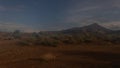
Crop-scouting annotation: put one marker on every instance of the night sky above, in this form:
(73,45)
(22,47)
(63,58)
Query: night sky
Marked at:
(40,15)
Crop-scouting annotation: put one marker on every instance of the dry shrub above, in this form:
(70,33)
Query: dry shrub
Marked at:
(23,43)
(48,56)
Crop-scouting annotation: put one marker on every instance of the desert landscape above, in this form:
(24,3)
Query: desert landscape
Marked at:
(71,48)
(59,33)
(70,56)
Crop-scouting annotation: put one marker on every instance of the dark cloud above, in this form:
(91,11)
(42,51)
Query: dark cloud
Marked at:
(83,12)
(35,15)
(12,8)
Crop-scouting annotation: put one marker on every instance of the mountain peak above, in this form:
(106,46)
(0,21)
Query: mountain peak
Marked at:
(95,27)
(92,28)
(94,24)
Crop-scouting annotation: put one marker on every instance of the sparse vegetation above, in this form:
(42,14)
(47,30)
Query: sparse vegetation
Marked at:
(23,43)
(83,50)
(17,34)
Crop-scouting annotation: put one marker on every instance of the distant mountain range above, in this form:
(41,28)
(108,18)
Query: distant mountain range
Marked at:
(93,32)
(94,29)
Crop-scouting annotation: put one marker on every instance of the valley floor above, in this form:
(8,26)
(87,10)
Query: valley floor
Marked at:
(70,56)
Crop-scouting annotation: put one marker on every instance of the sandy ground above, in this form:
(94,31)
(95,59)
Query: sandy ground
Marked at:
(70,56)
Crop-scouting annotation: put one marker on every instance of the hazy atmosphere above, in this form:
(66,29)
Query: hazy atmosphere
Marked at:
(37,15)
(59,33)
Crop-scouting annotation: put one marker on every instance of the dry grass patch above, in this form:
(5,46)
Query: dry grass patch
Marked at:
(48,56)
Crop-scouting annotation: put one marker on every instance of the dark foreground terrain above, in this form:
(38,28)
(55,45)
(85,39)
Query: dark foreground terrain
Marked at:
(70,56)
